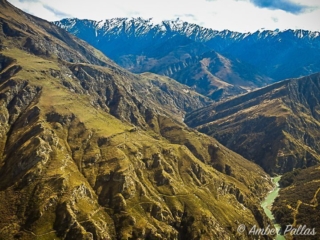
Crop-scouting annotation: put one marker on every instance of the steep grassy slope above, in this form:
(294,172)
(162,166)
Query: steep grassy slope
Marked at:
(277,127)
(50,42)
(93,152)
(298,202)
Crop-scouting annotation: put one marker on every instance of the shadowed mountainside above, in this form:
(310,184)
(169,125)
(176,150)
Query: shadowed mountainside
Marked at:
(278,126)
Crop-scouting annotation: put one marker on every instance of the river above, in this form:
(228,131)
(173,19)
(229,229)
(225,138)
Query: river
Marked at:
(267,204)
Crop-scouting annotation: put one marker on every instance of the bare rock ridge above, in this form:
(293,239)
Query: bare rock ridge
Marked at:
(89,150)
(277,127)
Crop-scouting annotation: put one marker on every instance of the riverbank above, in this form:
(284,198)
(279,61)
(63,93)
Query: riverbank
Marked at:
(267,204)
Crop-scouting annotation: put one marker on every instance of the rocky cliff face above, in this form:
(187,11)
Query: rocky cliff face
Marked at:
(276,127)
(91,151)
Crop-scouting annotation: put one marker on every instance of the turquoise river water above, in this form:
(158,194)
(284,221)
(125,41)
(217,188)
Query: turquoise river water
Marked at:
(267,204)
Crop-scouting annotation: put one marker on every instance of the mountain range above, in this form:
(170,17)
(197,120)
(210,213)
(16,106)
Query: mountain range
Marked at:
(218,64)
(89,150)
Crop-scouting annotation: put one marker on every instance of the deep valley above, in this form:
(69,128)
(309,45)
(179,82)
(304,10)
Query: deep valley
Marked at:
(154,131)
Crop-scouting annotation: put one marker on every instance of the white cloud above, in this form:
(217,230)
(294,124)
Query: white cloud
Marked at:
(238,15)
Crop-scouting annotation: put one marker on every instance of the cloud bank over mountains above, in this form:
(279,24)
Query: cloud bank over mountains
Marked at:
(236,15)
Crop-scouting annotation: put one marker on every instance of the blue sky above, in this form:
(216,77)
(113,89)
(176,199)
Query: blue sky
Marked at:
(236,15)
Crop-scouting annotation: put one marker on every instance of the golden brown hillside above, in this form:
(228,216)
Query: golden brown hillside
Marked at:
(90,151)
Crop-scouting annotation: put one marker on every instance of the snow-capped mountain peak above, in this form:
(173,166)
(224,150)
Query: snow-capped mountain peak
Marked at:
(139,27)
